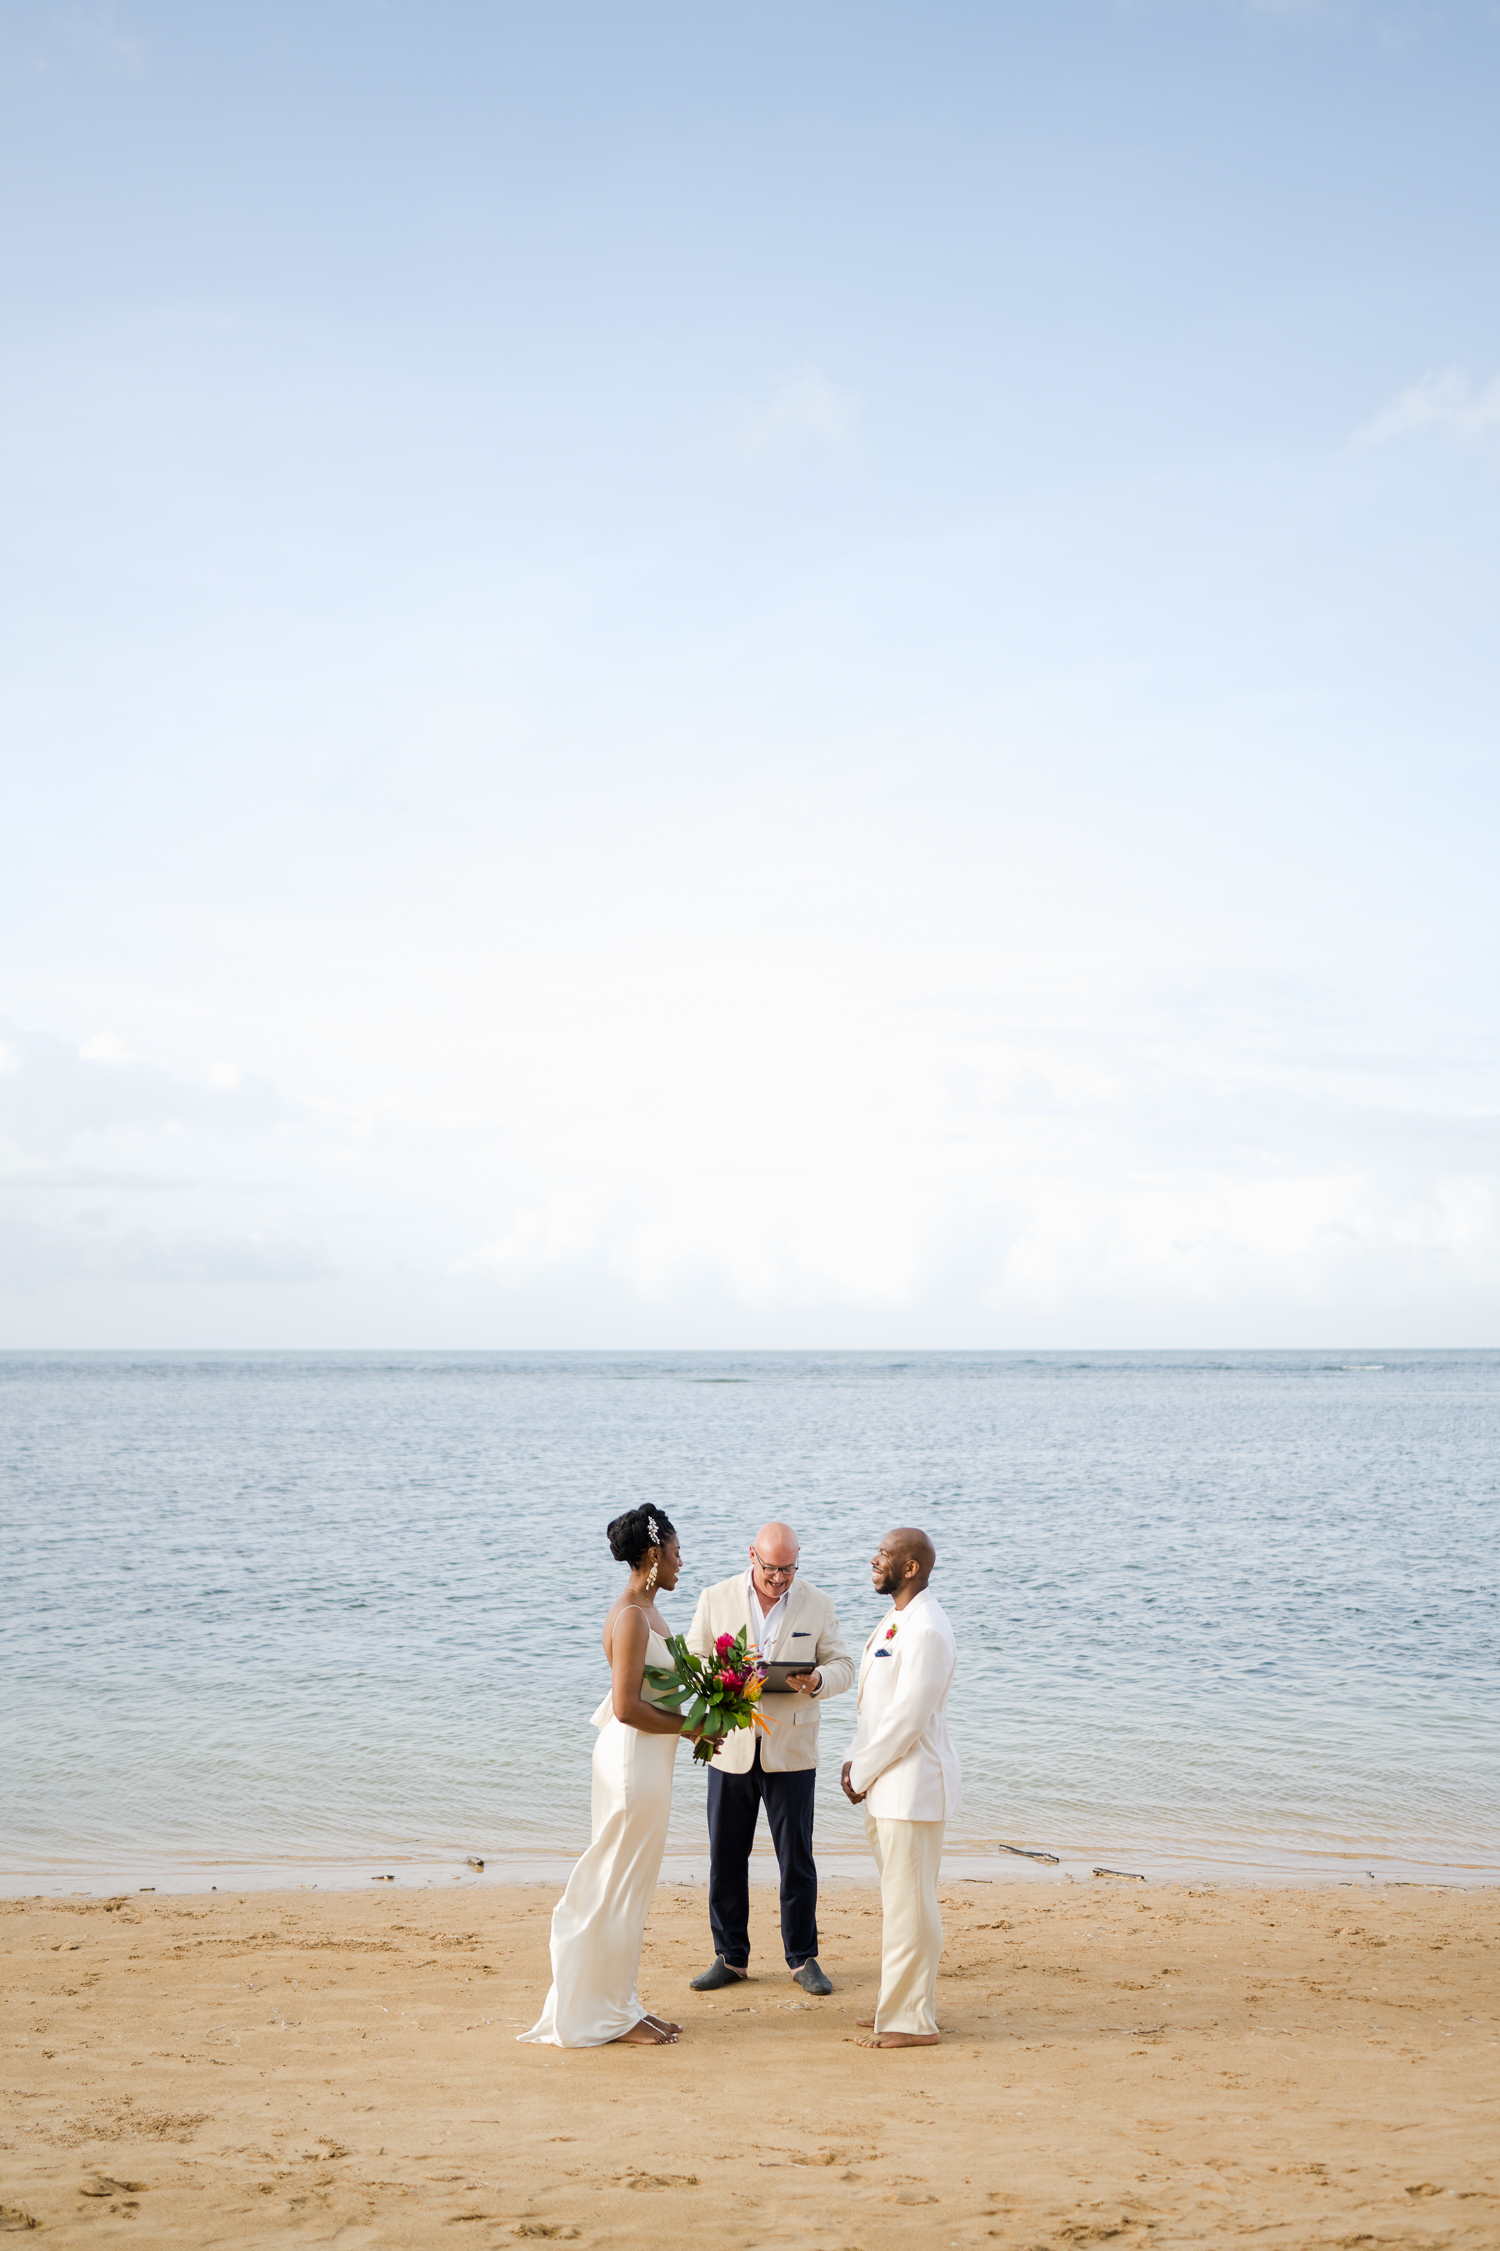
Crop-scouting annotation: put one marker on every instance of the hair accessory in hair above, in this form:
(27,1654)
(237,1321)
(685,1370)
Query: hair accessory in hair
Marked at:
(654,1529)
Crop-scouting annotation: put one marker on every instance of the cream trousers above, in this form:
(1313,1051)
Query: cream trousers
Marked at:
(908,1854)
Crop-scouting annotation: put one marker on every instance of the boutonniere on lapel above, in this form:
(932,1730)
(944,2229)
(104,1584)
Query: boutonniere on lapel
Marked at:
(890,1632)
(880,1647)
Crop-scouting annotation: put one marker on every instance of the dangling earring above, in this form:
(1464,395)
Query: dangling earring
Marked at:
(651,1580)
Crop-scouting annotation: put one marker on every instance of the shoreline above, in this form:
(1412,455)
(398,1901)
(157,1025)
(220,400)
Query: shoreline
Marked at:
(1229,1868)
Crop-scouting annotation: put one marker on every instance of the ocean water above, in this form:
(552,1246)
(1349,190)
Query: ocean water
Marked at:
(331,1613)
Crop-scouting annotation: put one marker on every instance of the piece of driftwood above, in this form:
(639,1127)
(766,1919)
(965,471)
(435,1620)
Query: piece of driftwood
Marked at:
(1025,1852)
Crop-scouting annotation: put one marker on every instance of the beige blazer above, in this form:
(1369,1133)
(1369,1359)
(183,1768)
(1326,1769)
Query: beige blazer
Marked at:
(810,1626)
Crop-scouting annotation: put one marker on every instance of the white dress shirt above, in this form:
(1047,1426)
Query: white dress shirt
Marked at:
(772,1620)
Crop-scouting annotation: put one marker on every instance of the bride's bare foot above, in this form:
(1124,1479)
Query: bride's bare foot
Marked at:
(663,2024)
(647,2034)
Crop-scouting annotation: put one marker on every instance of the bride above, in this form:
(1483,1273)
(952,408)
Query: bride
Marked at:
(600,1921)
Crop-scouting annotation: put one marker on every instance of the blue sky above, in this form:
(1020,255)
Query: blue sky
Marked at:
(703,675)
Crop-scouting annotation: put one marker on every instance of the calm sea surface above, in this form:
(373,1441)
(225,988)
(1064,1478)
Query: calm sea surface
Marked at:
(318,1611)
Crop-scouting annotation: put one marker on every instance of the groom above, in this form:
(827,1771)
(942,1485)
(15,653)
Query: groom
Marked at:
(788,1620)
(903,1770)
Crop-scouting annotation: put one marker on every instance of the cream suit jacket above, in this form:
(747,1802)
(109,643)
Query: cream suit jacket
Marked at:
(902,1754)
(809,1627)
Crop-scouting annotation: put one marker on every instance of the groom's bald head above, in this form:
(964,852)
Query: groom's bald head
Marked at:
(903,1561)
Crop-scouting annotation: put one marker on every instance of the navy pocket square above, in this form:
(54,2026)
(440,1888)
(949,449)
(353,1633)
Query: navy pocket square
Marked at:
(882,1653)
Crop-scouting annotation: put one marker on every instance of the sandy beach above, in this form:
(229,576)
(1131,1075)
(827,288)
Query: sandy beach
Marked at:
(1121,2064)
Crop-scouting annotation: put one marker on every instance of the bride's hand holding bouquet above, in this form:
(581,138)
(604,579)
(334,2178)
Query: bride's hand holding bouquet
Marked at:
(716,1695)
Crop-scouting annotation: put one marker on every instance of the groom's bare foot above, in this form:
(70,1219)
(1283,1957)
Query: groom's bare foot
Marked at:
(902,2040)
(865,2024)
(646,2034)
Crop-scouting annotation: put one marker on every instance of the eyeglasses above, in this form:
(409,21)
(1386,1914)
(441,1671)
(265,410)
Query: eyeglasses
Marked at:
(777,1570)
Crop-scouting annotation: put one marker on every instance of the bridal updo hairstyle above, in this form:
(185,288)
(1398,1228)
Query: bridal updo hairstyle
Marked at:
(630,1534)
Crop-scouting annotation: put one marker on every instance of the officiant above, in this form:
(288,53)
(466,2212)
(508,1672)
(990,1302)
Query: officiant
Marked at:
(793,1625)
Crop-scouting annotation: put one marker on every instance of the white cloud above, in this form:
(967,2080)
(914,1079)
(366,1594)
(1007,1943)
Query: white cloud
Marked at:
(38,1255)
(98,39)
(806,409)
(87,1133)
(808,1154)
(52,1096)
(1449,403)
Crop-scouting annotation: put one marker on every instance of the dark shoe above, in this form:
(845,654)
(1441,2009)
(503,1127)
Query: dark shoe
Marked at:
(720,1974)
(811,1979)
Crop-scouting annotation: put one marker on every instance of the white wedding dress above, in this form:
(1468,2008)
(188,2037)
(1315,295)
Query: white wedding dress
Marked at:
(600,1921)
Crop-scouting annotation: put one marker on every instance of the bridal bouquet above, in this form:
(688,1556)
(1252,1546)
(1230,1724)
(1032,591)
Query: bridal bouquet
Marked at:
(717,1695)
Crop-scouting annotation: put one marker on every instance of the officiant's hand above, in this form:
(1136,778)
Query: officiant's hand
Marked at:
(855,1797)
(806,1684)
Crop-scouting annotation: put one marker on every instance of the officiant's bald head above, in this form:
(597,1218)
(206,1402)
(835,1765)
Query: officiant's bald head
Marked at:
(773,1560)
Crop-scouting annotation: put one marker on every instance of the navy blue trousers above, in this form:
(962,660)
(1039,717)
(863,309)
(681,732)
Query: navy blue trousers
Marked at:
(734,1803)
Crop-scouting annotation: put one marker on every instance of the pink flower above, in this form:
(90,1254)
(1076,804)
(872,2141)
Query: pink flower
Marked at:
(723,1645)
